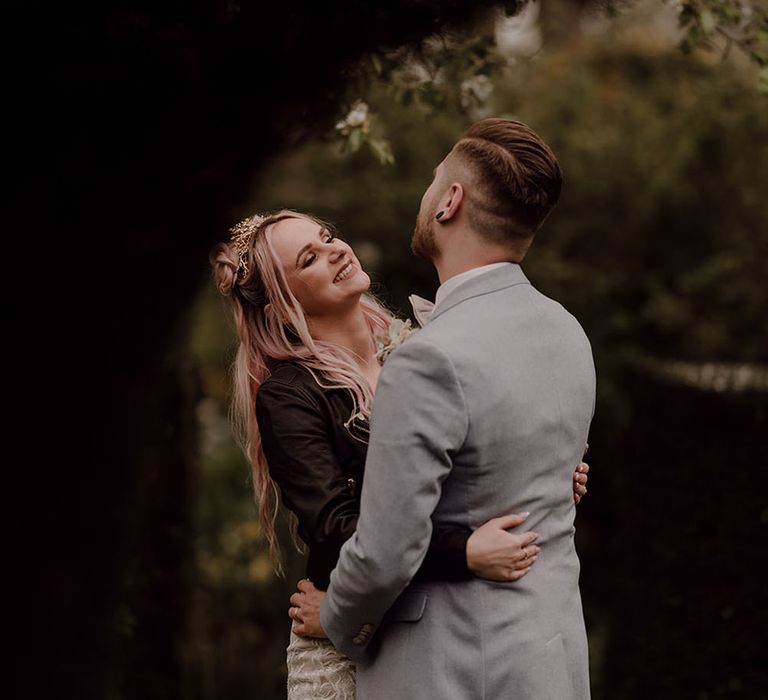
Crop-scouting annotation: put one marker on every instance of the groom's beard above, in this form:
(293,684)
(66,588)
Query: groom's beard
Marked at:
(423,241)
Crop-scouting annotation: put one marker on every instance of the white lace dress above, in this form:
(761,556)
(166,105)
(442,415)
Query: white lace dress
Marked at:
(316,671)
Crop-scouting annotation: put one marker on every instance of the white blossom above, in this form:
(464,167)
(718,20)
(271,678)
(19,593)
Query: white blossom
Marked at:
(357,118)
(519,35)
(476,89)
(395,336)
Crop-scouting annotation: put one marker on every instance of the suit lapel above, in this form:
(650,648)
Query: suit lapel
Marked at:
(500,278)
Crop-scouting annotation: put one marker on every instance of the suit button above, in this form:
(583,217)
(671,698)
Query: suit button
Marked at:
(351,483)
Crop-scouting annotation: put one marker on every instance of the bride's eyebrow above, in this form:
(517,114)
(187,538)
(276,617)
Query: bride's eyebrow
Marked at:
(306,247)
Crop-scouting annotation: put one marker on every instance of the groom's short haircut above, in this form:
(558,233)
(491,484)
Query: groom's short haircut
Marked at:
(517,181)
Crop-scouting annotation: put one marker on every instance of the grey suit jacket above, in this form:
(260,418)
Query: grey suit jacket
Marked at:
(485,411)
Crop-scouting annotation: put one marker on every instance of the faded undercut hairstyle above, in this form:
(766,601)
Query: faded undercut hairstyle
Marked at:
(517,177)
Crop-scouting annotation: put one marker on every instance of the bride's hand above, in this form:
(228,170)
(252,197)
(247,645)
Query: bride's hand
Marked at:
(580,481)
(498,555)
(305,610)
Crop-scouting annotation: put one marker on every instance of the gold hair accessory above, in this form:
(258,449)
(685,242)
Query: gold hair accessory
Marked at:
(240,240)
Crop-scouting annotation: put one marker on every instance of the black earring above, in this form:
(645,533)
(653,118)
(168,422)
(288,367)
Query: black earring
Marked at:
(439,215)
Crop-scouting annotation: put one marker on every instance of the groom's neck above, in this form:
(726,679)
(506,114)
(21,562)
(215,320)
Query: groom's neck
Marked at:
(455,260)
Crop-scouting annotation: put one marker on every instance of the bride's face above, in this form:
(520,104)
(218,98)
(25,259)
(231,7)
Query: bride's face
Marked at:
(322,271)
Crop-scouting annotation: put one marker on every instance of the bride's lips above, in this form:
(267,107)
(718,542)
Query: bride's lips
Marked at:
(346,266)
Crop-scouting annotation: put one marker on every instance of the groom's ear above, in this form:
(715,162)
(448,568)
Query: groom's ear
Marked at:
(450,202)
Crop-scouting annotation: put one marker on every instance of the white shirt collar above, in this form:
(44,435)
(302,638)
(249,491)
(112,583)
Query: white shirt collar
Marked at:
(457,280)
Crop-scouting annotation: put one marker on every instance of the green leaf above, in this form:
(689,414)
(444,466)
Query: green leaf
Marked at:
(355,140)
(708,22)
(762,80)
(382,150)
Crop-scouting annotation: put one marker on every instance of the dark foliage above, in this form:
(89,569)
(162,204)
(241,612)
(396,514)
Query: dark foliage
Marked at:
(673,545)
(136,129)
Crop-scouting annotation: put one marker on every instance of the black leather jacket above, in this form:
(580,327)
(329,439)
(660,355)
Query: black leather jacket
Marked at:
(317,462)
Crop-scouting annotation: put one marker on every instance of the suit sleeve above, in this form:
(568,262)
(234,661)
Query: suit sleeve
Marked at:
(419,423)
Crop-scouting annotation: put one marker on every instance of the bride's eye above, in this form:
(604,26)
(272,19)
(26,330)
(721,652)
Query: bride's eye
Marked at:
(311,257)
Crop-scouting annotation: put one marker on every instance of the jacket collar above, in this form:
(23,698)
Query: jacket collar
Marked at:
(492,281)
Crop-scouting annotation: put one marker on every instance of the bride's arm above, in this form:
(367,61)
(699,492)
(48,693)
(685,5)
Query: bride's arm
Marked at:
(297,444)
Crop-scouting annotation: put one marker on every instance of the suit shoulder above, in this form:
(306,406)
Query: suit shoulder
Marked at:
(426,352)
(555,305)
(425,341)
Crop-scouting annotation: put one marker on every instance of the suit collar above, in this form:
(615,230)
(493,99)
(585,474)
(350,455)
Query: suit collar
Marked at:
(491,281)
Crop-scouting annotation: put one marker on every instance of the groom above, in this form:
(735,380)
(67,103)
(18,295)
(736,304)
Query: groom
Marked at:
(482,412)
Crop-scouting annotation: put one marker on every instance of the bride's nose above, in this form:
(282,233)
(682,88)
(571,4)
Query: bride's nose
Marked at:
(337,254)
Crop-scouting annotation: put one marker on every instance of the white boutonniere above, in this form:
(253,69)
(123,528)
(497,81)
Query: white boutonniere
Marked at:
(395,335)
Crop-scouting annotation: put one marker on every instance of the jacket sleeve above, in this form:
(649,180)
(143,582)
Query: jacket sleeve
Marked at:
(298,448)
(446,558)
(419,423)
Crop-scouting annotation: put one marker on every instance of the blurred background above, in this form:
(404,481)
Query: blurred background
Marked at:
(143,571)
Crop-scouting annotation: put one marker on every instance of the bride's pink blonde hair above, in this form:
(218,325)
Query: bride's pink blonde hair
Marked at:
(271,326)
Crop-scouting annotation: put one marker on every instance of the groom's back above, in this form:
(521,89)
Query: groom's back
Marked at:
(526,371)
